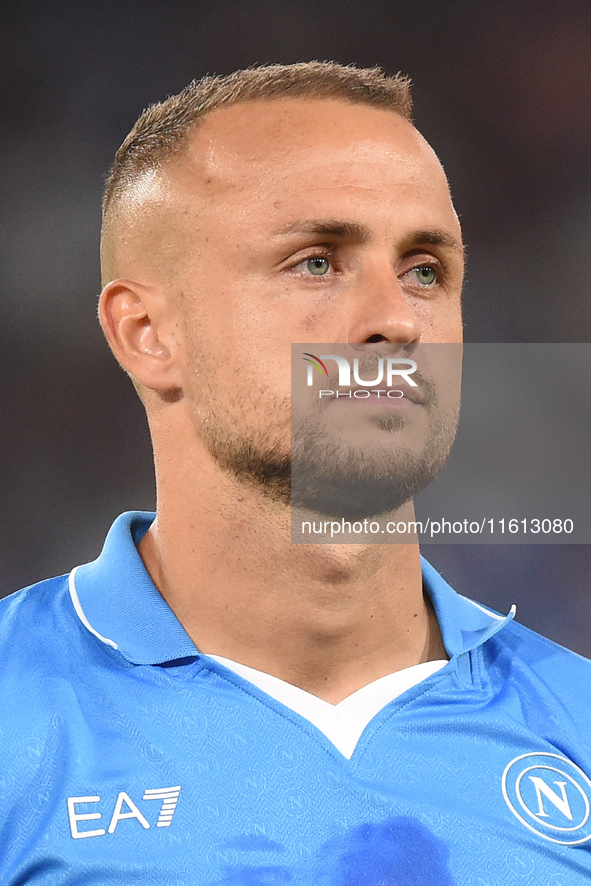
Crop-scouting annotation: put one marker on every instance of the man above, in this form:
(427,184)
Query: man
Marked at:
(208,702)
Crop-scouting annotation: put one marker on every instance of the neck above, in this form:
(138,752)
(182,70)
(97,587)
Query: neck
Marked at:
(327,618)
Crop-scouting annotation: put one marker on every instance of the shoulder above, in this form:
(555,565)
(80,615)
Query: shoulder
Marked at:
(38,630)
(551,682)
(526,649)
(507,655)
(32,614)
(42,646)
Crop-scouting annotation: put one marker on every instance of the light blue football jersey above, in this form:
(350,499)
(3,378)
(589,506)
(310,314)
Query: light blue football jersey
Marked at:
(126,757)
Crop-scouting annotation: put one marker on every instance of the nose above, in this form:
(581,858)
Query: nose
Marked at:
(381,309)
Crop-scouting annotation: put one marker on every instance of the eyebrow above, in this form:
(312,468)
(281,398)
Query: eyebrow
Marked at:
(434,237)
(348,230)
(331,227)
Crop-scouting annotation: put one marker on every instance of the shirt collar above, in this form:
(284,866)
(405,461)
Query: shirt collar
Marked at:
(464,624)
(116,600)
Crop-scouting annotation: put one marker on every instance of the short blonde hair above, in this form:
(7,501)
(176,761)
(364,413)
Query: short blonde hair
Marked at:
(163,129)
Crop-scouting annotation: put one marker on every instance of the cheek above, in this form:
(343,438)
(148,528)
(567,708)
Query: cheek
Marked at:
(442,322)
(262,332)
(455,329)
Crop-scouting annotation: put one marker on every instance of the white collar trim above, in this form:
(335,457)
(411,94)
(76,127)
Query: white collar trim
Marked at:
(343,723)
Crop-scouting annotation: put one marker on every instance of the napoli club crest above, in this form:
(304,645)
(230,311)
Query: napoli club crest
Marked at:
(551,796)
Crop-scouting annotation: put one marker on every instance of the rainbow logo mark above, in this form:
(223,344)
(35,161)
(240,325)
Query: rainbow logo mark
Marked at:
(317,362)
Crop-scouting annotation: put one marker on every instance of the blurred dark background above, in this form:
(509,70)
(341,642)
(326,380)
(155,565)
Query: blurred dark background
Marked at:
(502,91)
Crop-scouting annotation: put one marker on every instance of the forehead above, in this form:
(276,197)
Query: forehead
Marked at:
(269,153)
(256,129)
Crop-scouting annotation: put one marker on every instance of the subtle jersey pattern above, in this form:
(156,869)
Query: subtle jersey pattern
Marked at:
(342,723)
(126,757)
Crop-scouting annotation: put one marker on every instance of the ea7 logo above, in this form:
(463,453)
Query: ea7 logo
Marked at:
(124,808)
(551,796)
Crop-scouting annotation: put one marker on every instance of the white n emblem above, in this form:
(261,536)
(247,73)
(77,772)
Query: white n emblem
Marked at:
(561,803)
(550,796)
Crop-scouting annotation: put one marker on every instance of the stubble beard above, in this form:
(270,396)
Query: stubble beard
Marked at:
(325,475)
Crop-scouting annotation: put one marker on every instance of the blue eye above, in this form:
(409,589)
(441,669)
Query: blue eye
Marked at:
(318,266)
(425,275)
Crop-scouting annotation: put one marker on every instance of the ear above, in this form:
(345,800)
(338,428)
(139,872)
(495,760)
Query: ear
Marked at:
(138,329)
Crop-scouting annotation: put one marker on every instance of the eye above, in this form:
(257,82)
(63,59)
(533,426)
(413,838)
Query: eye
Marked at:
(426,275)
(318,265)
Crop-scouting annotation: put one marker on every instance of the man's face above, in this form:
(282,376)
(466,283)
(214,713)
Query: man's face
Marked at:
(309,221)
